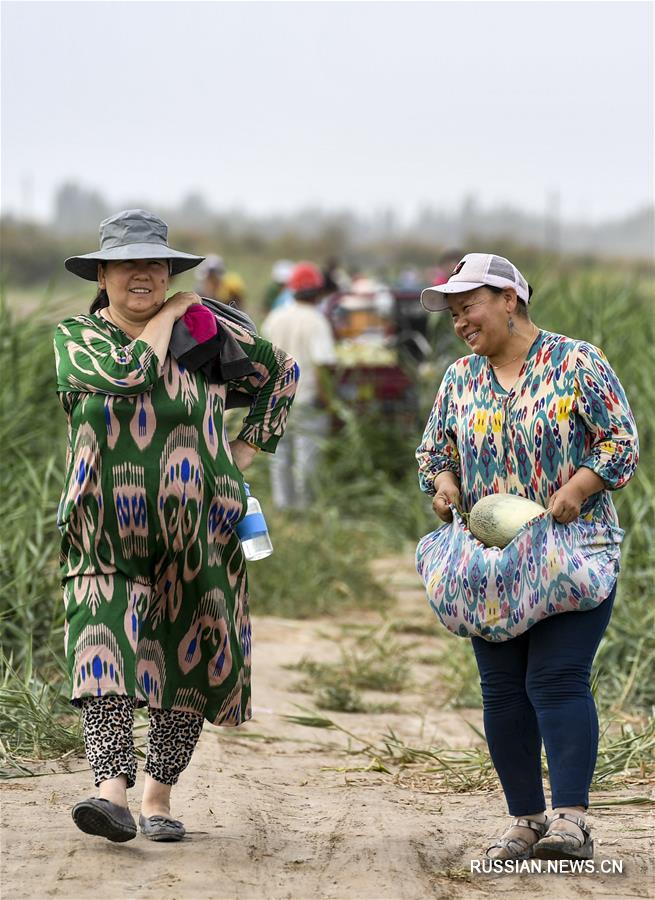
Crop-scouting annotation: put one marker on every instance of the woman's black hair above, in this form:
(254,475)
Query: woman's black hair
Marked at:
(521,305)
(100,301)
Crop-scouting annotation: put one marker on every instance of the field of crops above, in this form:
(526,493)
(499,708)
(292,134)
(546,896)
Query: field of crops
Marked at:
(368,505)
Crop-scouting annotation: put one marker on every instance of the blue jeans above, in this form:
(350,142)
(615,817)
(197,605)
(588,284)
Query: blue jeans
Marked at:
(534,687)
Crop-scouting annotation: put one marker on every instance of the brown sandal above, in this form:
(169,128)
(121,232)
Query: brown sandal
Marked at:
(517,847)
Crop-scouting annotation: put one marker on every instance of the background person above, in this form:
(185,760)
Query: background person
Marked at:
(305,333)
(154,578)
(232,290)
(447,262)
(335,276)
(209,277)
(543,416)
(277,293)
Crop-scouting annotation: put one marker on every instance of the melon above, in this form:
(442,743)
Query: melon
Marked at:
(496,520)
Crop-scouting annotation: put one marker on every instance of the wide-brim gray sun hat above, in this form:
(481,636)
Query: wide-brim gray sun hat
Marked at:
(131,234)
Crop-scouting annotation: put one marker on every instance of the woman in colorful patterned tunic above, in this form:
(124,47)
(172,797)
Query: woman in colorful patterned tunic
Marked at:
(154,577)
(543,416)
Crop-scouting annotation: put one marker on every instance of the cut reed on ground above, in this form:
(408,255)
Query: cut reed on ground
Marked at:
(624,759)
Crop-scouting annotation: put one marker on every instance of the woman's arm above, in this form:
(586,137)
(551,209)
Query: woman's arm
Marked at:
(437,451)
(243,454)
(157,332)
(614,453)
(447,492)
(90,360)
(604,408)
(272,389)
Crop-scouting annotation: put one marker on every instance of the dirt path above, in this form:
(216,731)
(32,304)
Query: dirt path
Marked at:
(271,816)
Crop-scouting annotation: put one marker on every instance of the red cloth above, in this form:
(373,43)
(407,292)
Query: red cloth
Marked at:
(201,322)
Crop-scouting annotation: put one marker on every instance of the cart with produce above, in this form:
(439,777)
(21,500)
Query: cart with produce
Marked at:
(380,336)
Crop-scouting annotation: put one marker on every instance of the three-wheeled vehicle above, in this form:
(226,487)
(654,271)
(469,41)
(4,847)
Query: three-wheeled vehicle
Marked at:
(381,340)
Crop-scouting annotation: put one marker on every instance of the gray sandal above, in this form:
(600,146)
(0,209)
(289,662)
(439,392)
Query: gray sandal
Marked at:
(518,848)
(159,828)
(566,844)
(104,818)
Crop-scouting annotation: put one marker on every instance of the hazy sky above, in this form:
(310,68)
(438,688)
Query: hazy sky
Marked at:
(272,106)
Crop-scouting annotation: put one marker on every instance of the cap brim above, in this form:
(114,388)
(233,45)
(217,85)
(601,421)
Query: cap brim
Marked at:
(86,266)
(433,298)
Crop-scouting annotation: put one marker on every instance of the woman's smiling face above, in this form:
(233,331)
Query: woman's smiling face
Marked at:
(136,287)
(480,319)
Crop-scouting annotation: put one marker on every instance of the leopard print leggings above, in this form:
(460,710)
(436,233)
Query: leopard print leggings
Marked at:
(109,743)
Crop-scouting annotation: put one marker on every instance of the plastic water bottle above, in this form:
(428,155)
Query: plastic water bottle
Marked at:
(252,531)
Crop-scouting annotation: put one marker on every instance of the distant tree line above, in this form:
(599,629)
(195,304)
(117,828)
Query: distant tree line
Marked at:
(33,253)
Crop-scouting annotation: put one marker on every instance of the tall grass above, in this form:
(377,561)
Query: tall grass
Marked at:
(32,440)
(616,314)
(35,717)
(319,566)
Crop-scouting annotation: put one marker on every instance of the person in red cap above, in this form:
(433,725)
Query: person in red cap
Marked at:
(301,326)
(447,263)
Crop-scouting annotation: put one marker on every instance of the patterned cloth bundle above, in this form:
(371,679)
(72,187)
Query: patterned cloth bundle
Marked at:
(498,594)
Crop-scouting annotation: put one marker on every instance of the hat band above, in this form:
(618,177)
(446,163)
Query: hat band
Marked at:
(111,246)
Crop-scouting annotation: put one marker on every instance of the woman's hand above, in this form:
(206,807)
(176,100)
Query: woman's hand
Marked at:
(178,304)
(566,503)
(242,454)
(157,332)
(447,493)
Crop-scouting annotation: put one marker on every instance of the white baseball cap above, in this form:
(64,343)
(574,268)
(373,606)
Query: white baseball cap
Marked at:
(282,270)
(473,271)
(212,263)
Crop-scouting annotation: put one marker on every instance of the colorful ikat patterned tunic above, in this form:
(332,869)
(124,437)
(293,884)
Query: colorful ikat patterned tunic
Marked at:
(154,578)
(567,409)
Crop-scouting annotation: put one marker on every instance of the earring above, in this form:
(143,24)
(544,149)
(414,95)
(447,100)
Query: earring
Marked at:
(510,325)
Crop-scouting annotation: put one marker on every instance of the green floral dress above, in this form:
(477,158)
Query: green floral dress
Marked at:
(155,583)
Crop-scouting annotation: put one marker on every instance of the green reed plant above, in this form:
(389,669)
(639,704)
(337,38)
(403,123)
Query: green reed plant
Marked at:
(369,474)
(338,697)
(32,440)
(36,721)
(320,566)
(373,662)
(379,667)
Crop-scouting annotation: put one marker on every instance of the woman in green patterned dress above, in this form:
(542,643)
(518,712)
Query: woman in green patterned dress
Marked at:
(154,577)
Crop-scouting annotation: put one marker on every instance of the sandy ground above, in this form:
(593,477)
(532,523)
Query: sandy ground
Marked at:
(271,813)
